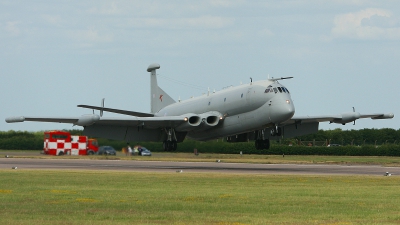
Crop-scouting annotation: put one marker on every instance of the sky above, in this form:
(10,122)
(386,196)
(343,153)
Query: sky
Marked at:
(55,55)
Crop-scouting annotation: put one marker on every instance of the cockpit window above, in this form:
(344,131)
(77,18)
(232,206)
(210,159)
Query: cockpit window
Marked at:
(283,89)
(286,90)
(275,90)
(266,90)
(280,89)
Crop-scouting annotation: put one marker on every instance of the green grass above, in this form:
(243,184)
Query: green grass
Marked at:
(105,197)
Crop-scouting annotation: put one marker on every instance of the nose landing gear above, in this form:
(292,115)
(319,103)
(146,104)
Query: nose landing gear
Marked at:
(276,131)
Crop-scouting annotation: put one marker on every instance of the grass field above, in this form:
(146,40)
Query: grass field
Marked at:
(103,197)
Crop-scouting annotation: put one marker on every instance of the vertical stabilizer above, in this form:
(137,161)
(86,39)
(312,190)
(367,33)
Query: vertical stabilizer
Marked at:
(159,98)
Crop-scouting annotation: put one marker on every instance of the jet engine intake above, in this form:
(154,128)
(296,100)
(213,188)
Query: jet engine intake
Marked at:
(192,121)
(211,119)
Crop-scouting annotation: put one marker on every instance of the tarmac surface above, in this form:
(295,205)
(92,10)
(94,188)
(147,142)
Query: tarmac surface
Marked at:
(203,167)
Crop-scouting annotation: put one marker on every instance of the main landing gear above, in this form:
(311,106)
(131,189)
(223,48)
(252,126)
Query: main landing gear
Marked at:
(261,142)
(170,144)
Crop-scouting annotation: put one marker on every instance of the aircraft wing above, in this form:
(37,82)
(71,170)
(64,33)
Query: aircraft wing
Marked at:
(302,125)
(144,122)
(340,118)
(124,128)
(91,119)
(42,119)
(119,111)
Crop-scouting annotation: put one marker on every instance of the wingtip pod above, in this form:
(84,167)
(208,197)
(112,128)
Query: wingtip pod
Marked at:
(384,116)
(15,119)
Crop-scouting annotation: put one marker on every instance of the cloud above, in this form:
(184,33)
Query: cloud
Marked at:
(12,29)
(54,20)
(202,22)
(368,24)
(105,9)
(226,3)
(90,35)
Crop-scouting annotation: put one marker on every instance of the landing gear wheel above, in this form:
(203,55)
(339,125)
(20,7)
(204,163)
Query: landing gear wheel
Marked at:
(259,144)
(174,145)
(166,145)
(266,144)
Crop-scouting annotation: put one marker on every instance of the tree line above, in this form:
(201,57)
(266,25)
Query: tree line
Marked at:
(353,142)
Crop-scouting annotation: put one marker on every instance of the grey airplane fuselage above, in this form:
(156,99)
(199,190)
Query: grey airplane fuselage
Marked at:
(247,107)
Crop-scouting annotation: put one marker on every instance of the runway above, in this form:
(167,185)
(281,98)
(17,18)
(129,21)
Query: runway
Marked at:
(187,167)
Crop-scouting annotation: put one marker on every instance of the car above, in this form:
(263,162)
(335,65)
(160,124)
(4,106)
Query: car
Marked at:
(106,150)
(333,145)
(144,151)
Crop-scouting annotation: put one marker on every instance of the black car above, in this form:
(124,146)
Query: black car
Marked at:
(106,150)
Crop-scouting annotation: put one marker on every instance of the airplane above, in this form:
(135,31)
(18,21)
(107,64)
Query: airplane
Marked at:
(260,111)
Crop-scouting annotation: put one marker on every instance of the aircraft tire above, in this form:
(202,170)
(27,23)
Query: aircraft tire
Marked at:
(174,145)
(266,144)
(169,145)
(61,153)
(257,144)
(165,145)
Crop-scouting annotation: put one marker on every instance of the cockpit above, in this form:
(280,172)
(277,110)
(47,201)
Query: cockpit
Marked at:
(276,89)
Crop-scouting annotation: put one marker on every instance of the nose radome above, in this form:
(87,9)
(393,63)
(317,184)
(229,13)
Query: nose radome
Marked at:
(282,111)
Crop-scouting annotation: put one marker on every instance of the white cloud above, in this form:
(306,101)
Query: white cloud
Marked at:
(366,24)
(90,35)
(226,3)
(54,20)
(12,29)
(105,9)
(202,22)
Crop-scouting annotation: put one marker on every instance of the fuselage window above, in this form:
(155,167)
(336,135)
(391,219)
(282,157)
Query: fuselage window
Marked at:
(275,90)
(280,89)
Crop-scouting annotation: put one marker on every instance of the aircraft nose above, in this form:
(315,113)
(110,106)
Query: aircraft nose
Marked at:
(281,110)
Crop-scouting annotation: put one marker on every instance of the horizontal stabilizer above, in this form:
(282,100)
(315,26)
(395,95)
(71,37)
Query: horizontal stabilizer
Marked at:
(118,111)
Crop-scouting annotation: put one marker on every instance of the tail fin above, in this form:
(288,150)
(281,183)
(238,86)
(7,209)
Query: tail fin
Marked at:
(159,98)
